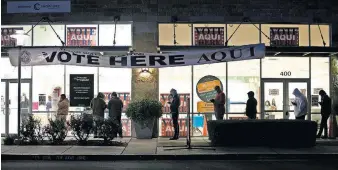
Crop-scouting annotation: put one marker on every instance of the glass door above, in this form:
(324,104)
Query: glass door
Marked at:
(9,104)
(277,97)
(303,88)
(3,107)
(273,99)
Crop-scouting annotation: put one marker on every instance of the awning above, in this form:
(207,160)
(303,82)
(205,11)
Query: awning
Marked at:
(270,51)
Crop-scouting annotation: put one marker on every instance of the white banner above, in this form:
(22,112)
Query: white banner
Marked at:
(83,57)
(38,6)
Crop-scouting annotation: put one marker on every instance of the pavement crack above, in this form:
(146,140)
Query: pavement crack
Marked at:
(66,150)
(126,146)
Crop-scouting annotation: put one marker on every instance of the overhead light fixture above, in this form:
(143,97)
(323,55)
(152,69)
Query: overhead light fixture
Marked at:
(145,70)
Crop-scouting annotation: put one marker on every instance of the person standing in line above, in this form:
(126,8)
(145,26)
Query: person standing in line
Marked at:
(219,103)
(300,104)
(174,109)
(325,112)
(98,105)
(251,106)
(115,106)
(63,108)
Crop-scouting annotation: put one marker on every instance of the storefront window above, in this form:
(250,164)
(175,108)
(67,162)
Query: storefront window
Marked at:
(182,31)
(6,31)
(10,72)
(302,36)
(45,36)
(206,77)
(285,67)
(178,78)
(243,76)
(80,70)
(246,34)
(46,80)
(123,35)
(316,38)
(320,80)
(81,35)
(209,34)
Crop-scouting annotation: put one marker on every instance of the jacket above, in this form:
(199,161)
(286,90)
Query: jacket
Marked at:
(251,107)
(63,107)
(301,103)
(219,104)
(175,104)
(98,106)
(326,106)
(115,106)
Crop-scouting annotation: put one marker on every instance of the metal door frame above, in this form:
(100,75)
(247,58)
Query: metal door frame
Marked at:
(7,111)
(285,83)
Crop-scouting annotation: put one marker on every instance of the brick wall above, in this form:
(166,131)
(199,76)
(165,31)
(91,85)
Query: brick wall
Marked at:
(192,10)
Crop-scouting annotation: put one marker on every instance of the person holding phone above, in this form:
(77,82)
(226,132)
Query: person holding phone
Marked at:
(325,112)
(300,104)
(219,103)
(174,101)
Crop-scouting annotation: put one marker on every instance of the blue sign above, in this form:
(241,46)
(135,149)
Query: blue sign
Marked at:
(38,6)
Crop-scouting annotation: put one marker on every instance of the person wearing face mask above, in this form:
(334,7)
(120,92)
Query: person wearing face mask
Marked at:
(219,103)
(300,104)
(174,109)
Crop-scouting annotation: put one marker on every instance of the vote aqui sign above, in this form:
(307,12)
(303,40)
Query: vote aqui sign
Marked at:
(85,57)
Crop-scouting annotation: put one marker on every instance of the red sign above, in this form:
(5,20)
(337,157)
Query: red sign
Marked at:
(209,36)
(164,98)
(126,127)
(167,127)
(6,40)
(81,36)
(284,36)
(124,96)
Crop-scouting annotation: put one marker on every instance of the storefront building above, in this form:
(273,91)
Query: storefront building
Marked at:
(296,58)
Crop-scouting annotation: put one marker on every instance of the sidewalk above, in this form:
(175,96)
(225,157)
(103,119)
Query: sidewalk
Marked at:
(157,149)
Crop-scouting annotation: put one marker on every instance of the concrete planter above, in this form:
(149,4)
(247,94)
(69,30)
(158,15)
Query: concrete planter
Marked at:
(144,132)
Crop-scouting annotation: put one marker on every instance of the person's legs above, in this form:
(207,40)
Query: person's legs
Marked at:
(176,128)
(120,126)
(219,116)
(323,126)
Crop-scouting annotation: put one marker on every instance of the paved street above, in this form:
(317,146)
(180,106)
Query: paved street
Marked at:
(177,165)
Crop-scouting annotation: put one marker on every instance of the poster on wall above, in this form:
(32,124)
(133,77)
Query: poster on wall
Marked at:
(164,99)
(6,40)
(287,37)
(205,107)
(205,87)
(81,36)
(167,128)
(124,96)
(316,90)
(81,90)
(274,92)
(126,127)
(94,58)
(314,100)
(208,36)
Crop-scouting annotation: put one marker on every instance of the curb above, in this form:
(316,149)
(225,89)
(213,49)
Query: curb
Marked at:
(323,156)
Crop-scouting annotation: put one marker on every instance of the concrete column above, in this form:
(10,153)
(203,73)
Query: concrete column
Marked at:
(145,85)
